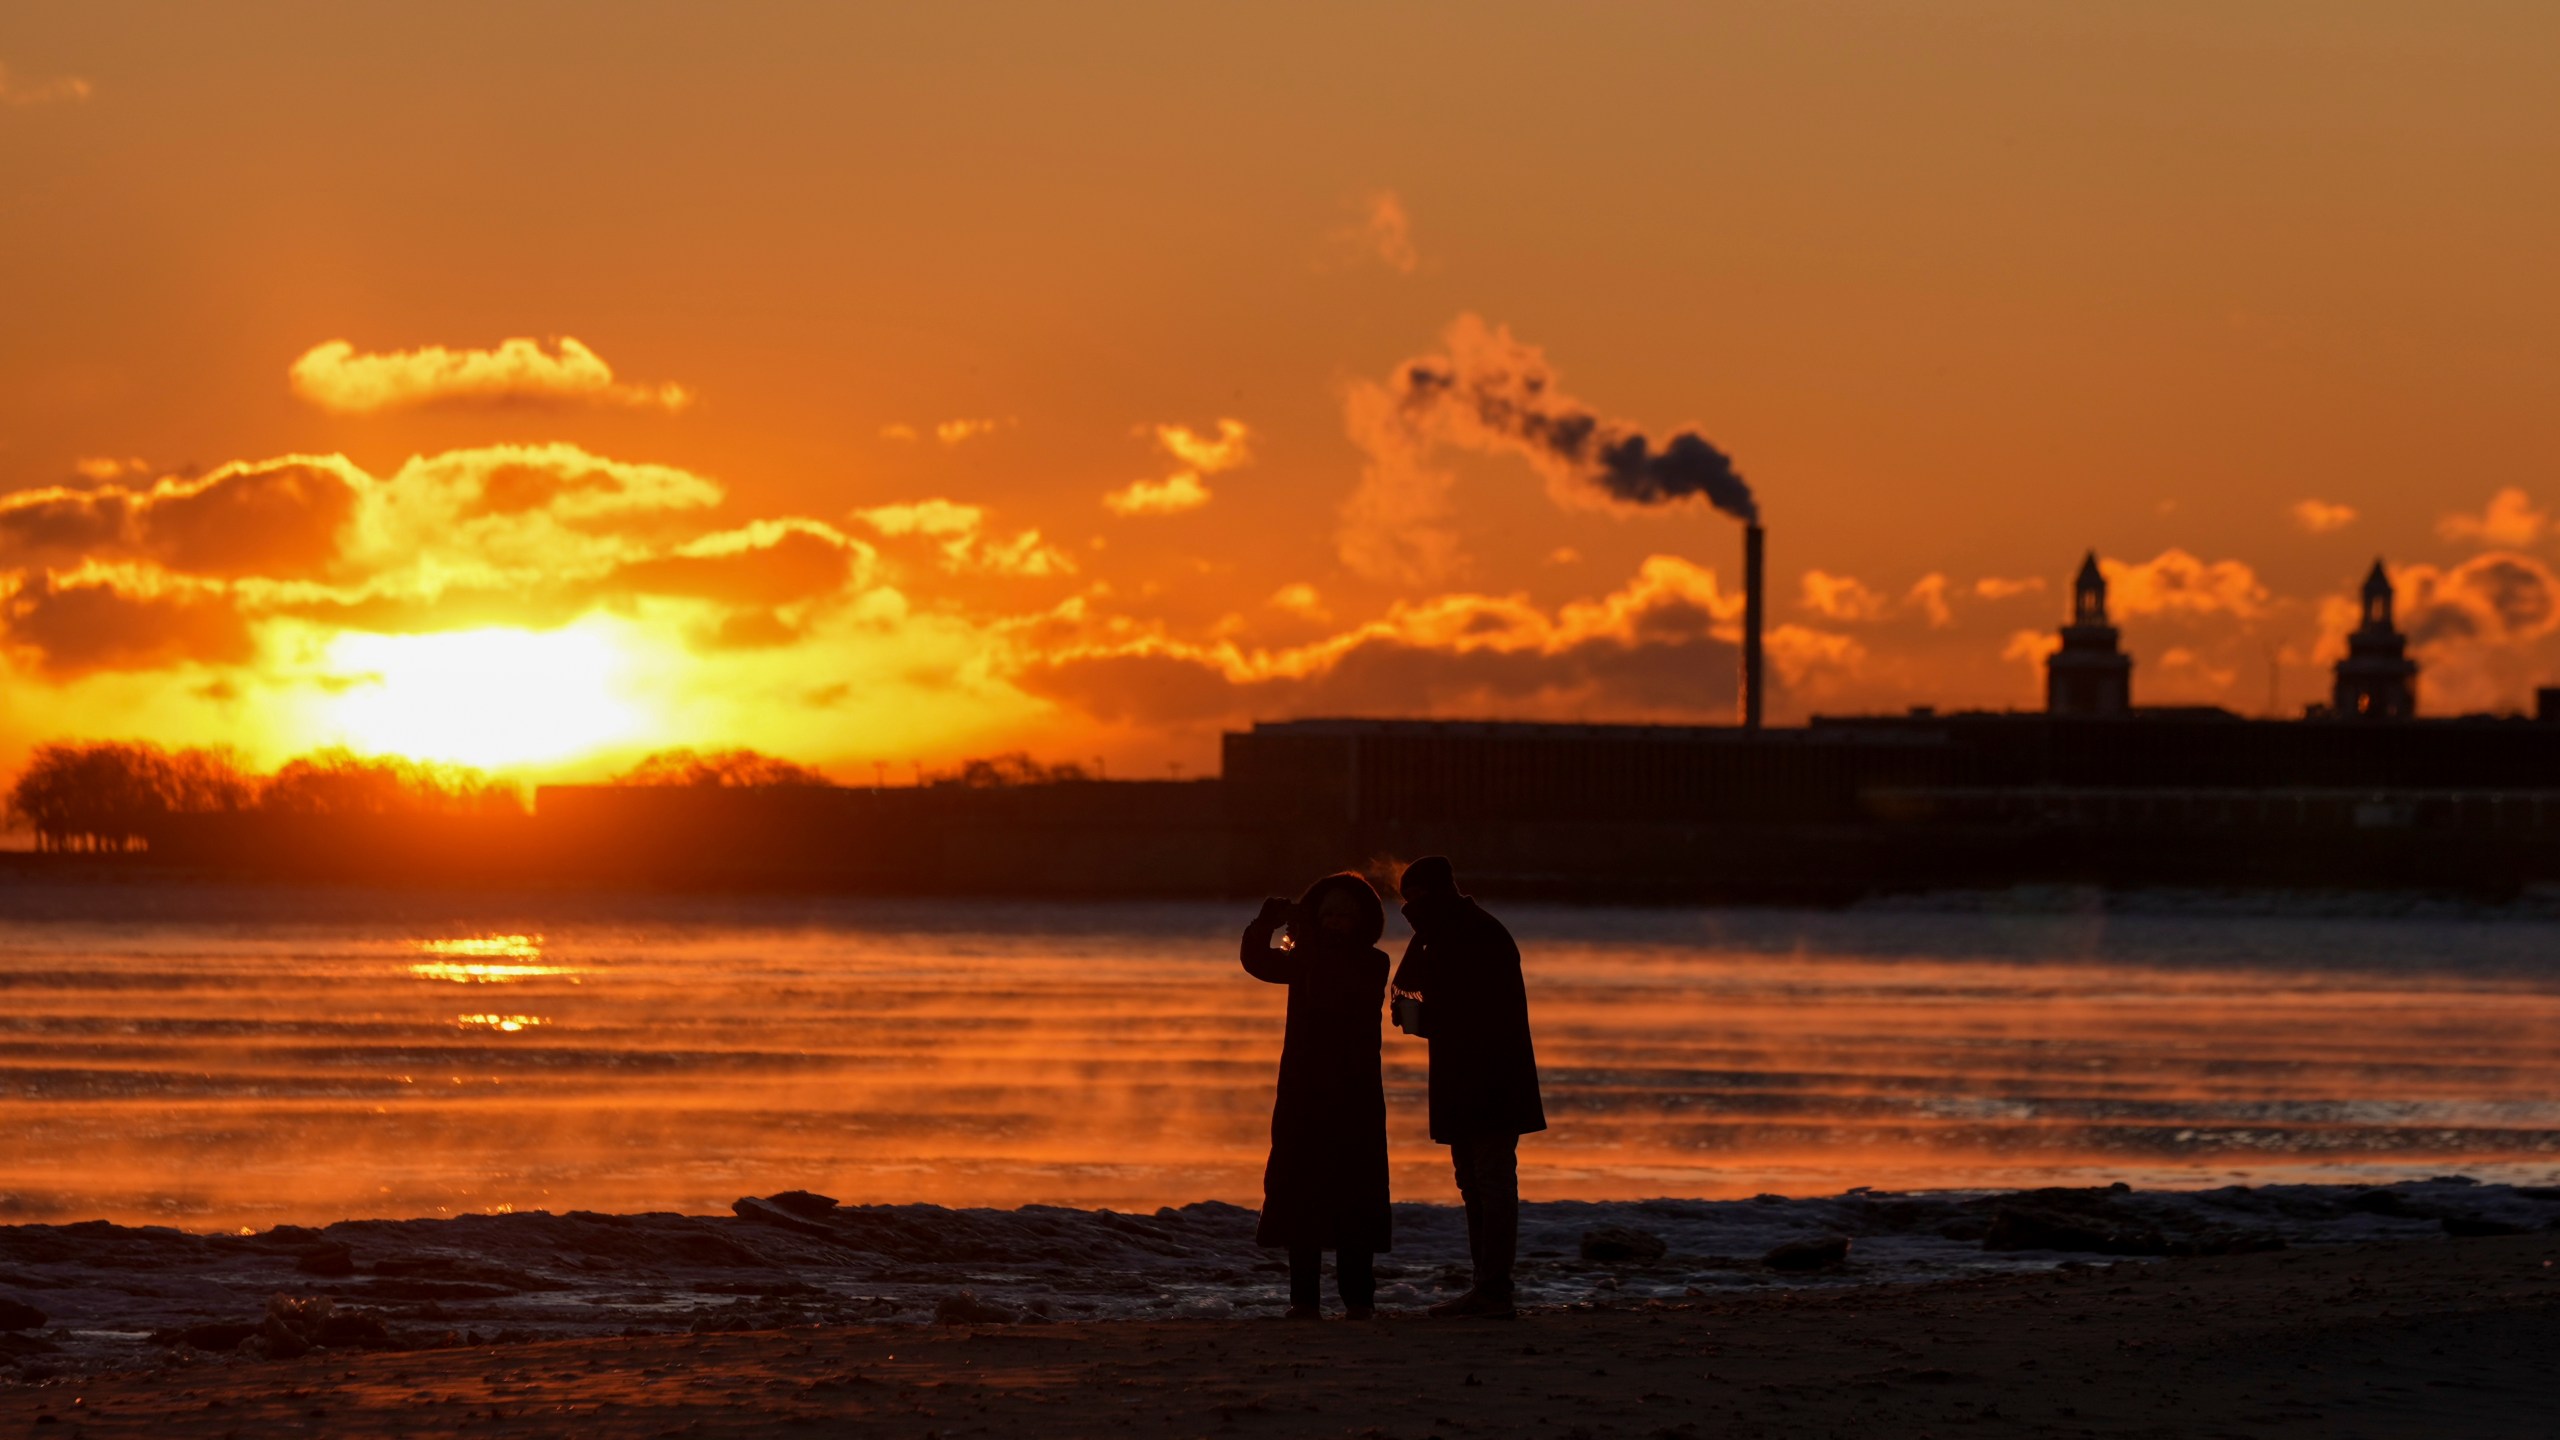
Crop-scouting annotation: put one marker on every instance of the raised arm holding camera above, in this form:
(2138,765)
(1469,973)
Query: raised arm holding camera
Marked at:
(1325,1187)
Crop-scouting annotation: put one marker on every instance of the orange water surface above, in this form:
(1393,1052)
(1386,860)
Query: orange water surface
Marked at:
(220,1060)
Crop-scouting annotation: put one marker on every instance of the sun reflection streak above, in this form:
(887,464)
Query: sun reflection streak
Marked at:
(488,960)
(486,974)
(511,947)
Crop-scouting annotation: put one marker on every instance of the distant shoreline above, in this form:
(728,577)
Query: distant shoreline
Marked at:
(24,870)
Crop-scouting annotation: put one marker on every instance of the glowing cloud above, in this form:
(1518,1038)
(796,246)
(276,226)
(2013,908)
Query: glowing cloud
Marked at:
(2177,583)
(108,467)
(64,629)
(2319,517)
(339,379)
(1660,645)
(1842,597)
(188,571)
(1847,598)
(14,91)
(1299,599)
(1208,454)
(956,531)
(923,517)
(1383,232)
(2186,663)
(1998,587)
(2509,520)
(1928,595)
(949,432)
(953,432)
(1801,653)
(1025,554)
(1184,490)
(2030,648)
(279,518)
(1170,496)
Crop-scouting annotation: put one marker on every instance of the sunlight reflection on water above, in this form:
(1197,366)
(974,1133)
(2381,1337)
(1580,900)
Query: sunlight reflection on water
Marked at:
(486,960)
(249,1059)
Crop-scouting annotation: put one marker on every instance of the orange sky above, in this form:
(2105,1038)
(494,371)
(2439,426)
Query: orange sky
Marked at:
(534,384)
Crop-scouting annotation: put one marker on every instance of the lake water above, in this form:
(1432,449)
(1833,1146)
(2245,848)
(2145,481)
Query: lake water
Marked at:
(215,1058)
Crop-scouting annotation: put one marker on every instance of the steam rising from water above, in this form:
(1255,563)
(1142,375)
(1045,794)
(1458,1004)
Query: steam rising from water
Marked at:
(273,1063)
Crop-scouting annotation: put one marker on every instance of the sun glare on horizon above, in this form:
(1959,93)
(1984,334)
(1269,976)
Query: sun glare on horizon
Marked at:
(489,697)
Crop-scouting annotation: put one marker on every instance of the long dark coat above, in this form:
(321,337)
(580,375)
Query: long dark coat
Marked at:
(1475,1013)
(1326,1185)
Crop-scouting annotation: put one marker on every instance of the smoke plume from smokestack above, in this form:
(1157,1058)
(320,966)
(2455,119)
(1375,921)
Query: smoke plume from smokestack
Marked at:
(1494,394)
(1686,465)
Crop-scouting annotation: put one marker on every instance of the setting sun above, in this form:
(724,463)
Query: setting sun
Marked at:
(493,697)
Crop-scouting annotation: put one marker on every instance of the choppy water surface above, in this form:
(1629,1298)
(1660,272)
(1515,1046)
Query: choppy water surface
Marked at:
(214,1059)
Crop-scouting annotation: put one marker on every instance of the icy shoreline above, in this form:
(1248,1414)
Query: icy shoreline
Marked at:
(119,1296)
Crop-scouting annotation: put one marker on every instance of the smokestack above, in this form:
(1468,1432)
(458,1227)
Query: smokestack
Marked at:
(1751,585)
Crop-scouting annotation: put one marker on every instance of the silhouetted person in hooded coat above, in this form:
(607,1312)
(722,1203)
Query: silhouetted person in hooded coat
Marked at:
(1484,1073)
(1326,1185)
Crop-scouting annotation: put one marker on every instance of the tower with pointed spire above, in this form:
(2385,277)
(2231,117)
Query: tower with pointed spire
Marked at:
(2089,675)
(2377,680)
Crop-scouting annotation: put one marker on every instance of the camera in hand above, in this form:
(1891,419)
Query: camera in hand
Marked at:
(1291,918)
(1407,1011)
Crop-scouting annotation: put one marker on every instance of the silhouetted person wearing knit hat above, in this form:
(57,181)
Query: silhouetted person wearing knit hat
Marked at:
(1465,969)
(1326,1185)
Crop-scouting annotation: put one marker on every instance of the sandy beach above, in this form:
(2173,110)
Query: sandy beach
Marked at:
(2427,1307)
(2443,1337)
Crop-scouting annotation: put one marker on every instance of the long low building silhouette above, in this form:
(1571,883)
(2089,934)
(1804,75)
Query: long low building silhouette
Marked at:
(1844,807)
(2362,792)
(1818,813)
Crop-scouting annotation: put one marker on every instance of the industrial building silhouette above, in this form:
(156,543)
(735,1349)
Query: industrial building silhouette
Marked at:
(2096,788)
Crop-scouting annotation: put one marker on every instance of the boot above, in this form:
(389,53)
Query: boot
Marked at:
(1475,1304)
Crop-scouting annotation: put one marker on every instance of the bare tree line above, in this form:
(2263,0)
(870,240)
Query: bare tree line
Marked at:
(754,770)
(103,797)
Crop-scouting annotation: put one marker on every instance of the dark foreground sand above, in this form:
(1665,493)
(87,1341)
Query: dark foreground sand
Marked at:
(2406,1338)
